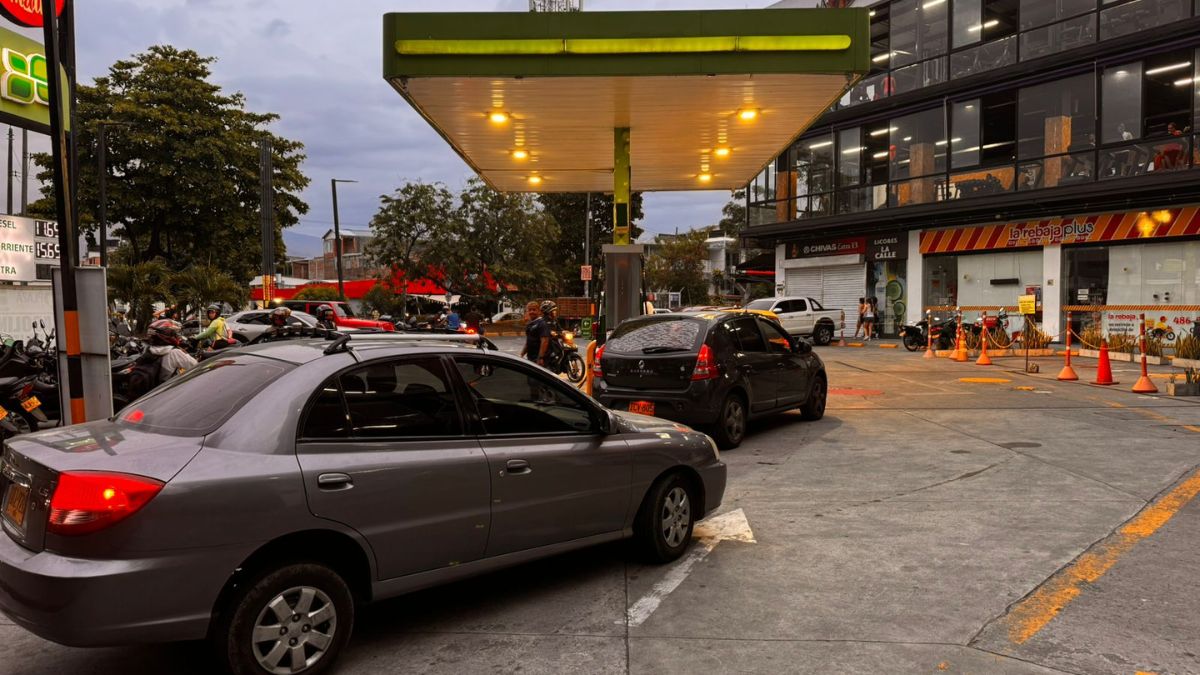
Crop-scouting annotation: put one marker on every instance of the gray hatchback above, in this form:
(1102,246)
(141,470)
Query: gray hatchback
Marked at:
(258,500)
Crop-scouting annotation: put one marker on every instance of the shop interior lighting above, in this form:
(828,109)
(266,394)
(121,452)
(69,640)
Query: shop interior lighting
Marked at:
(747,114)
(498,117)
(822,144)
(884,130)
(520,153)
(1185,81)
(983,26)
(881,58)
(929,4)
(851,151)
(704,177)
(721,152)
(880,155)
(1167,69)
(535,180)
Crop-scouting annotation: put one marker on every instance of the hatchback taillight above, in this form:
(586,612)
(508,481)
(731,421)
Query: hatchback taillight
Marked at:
(597,371)
(706,367)
(88,501)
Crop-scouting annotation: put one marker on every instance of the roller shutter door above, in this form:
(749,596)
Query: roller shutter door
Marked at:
(836,287)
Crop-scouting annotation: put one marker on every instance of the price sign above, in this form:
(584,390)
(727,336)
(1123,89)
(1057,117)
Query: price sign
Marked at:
(1027,304)
(585,272)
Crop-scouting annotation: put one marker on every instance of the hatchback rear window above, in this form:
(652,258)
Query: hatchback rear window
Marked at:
(761,304)
(663,334)
(199,401)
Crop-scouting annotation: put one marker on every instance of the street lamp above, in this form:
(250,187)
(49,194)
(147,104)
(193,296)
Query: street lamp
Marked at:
(102,153)
(337,235)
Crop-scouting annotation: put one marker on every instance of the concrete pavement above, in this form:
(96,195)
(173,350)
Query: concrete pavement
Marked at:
(908,531)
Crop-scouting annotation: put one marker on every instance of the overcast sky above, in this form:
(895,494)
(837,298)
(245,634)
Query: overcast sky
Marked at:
(317,64)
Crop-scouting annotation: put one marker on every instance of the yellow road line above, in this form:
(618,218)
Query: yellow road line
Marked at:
(1034,612)
(1192,428)
(984,380)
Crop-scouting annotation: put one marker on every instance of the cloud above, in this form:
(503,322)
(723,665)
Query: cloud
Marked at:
(316,64)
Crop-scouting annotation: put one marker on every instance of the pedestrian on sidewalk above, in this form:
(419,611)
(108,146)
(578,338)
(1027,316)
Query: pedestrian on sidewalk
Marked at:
(862,309)
(868,318)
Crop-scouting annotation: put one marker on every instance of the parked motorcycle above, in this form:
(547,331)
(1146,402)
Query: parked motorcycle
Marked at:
(20,407)
(916,337)
(565,358)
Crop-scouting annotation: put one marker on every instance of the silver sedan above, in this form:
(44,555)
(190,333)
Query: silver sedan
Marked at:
(248,325)
(262,498)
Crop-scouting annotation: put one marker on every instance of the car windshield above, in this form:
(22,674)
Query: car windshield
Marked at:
(817,307)
(343,311)
(199,401)
(661,334)
(764,304)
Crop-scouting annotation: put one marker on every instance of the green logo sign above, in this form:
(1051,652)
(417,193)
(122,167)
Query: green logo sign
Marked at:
(24,78)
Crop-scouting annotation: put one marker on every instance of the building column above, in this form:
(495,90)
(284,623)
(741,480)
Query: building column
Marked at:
(780,270)
(915,274)
(1052,292)
(622,260)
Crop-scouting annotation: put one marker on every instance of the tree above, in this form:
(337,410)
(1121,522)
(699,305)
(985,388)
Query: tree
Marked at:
(199,285)
(141,285)
(733,214)
(183,180)
(317,292)
(569,210)
(678,265)
(500,233)
(406,222)
(382,298)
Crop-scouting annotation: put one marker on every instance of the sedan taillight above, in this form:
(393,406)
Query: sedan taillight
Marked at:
(597,370)
(88,501)
(706,367)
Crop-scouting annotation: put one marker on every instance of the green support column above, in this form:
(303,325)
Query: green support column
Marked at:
(621,178)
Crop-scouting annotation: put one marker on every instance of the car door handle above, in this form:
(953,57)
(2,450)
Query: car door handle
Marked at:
(334,481)
(518,467)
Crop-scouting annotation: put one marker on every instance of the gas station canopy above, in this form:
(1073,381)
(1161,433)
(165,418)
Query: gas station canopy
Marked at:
(531,100)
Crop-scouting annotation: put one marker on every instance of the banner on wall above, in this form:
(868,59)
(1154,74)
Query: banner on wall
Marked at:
(1131,225)
(1166,325)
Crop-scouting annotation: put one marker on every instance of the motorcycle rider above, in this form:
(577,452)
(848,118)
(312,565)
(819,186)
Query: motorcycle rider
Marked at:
(165,337)
(119,324)
(279,322)
(326,318)
(217,332)
(538,333)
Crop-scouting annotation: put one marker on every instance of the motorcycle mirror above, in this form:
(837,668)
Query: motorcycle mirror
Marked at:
(43,324)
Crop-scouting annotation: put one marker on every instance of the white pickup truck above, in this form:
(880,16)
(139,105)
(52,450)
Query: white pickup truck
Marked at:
(804,316)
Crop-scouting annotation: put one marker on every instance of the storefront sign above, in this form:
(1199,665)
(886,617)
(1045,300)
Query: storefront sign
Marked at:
(24,91)
(887,247)
(1027,304)
(28,12)
(25,245)
(1132,225)
(846,246)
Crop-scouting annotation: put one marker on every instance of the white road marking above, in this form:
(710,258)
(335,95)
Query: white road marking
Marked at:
(731,526)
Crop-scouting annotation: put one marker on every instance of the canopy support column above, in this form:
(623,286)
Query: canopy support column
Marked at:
(622,259)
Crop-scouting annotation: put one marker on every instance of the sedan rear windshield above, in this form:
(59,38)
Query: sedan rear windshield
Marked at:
(761,304)
(659,335)
(199,401)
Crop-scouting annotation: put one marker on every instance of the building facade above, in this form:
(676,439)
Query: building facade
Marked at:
(1001,148)
(354,261)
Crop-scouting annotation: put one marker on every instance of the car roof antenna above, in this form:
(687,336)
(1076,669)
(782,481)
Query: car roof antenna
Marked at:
(339,345)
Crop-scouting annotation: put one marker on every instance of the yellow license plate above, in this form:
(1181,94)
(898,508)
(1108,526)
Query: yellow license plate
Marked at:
(3,412)
(15,503)
(30,404)
(642,407)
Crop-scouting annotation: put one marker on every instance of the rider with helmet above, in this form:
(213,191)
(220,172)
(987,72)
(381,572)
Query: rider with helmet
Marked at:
(165,337)
(326,317)
(538,333)
(119,323)
(279,323)
(217,332)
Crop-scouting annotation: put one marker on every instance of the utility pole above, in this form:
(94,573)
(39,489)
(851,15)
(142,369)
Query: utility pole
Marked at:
(587,244)
(24,171)
(337,236)
(266,207)
(8,192)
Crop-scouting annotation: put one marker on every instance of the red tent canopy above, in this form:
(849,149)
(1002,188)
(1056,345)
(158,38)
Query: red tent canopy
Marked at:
(355,290)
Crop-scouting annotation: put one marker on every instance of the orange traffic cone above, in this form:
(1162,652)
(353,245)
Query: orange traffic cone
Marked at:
(842,340)
(984,359)
(1104,368)
(960,351)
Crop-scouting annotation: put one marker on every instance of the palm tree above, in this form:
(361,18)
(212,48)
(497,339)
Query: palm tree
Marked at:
(140,285)
(199,285)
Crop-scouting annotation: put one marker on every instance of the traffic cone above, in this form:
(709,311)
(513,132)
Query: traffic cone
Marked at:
(929,353)
(984,359)
(842,340)
(1068,374)
(1144,385)
(960,351)
(1104,368)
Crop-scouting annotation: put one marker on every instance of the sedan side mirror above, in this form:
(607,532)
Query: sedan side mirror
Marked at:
(606,422)
(802,346)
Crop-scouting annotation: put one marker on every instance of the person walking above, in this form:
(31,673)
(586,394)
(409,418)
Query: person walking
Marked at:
(868,318)
(862,308)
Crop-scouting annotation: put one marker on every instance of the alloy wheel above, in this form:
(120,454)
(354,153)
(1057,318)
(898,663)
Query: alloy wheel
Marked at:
(294,630)
(735,420)
(676,516)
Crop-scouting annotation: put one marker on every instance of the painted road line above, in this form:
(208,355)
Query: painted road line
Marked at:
(984,380)
(731,526)
(1039,608)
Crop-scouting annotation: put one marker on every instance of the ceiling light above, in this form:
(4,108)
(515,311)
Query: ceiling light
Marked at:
(498,117)
(884,130)
(987,24)
(747,114)
(535,180)
(907,139)
(704,177)
(520,154)
(932,3)
(1167,69)
(822,144)
(880,155)
(851,151)
(721,152)
(881,58)
(1184,82)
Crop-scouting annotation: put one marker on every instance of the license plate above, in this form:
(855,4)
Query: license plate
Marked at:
(30,404)
(642,407)
(3,412)
(15,503)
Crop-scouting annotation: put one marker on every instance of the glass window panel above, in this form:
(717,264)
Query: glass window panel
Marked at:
(964,125)
(918,30)
(1141,15)
(918,144)
(1167,84)
(512,399)
(999,140)
(980,182)
(997,54)
(968,22)
(916,76)
(401,399)
(849,159)
(1041,12)
(1121,102)
(1060,37)
(1125,160)
(1057,117)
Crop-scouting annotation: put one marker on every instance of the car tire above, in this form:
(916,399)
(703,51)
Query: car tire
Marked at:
(814,408)
(576,368)
(663,528)
(730,428)
(312,593)
(24,422)
(823,334)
